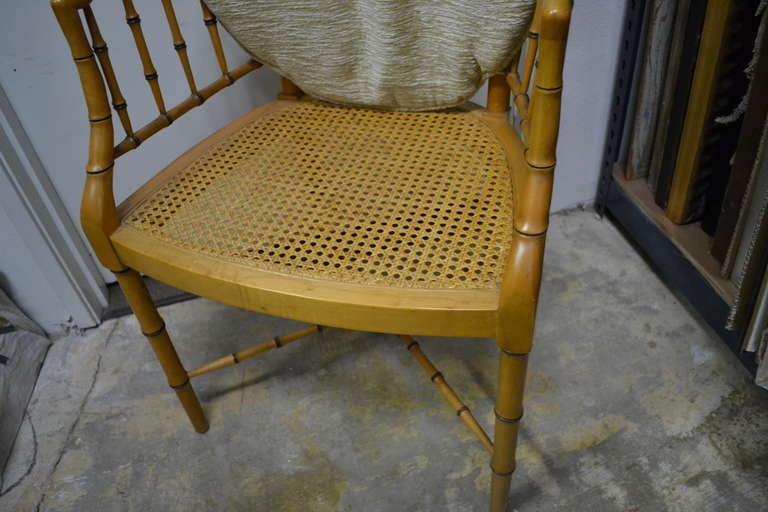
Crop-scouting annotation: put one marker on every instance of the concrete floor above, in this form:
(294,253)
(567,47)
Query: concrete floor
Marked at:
(631,405)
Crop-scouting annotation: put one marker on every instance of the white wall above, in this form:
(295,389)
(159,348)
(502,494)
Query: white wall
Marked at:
(25,284)
(44,265)
(590,68)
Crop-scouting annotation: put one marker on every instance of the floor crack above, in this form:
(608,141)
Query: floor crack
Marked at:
(75,423)
(80,409)
(34,457)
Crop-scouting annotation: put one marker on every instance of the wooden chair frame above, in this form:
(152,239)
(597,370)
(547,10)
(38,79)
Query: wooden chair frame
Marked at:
(509,317)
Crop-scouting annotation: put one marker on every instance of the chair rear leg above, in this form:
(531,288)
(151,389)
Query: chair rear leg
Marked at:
(153,327)
(508,412)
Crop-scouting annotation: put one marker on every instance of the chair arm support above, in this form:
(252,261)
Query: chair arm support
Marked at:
(541,141)
(520,293)
(533,190)
(98,217)
(98,214)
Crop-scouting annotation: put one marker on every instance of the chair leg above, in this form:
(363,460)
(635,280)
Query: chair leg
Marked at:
(514,337)
(153,327)
(508,411)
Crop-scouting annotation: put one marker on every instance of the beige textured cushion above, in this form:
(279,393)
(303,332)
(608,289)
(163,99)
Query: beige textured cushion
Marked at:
(394,54)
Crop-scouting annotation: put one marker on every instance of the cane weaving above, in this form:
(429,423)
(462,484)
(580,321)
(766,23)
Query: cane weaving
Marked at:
(411,199)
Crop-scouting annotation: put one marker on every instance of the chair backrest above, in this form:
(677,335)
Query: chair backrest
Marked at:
(95,77)
(393,54)
(478,56)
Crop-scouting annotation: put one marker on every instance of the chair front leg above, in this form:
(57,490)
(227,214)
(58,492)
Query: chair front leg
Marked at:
(517,314)
(508,412)
(153,327)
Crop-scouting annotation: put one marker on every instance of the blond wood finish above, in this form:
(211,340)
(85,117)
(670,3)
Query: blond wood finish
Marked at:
(469,313)
(520,86)
(213,31)
(153,327)
(236,357)
(150,73)
(437,378)
(442,310)
(498,94)
(290,91)
(699,110)
(102,53)
(98,212)
(195,100)
(179,44)
(531,51)
(506,309)
(333,223)
(508,412)
(520,289)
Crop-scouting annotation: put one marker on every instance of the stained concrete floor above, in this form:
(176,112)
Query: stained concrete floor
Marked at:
(631,405)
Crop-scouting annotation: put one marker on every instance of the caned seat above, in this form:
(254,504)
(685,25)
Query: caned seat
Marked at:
(411,210)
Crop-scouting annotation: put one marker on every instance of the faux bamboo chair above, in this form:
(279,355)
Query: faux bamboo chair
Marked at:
(450,264)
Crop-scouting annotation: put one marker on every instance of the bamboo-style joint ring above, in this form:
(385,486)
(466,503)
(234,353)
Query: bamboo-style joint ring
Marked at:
(507,420)
(156,333)
(121,271)
(538,167)
(234,358)
(533,35)
(100,49)
(133,20)
(502,473)
(81,59)
(462,409)
(135,140)
(180,46)
(100,171)
(513,354)
(151,76)
(550,89)
(435,376)
(411,345)
(530,235)
(182,385)
(99,120)
(120,106)
(210,21)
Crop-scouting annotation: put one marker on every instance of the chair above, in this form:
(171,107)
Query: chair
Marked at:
(406,222)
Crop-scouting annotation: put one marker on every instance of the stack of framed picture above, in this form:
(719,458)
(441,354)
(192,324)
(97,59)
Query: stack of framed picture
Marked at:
(686,163)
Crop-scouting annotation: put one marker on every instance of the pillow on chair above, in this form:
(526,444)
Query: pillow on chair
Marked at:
(389,54)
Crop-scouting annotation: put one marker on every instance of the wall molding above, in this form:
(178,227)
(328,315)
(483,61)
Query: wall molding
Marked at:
(29,199)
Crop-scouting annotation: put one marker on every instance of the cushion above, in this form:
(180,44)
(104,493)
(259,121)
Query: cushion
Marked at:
(390,54)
